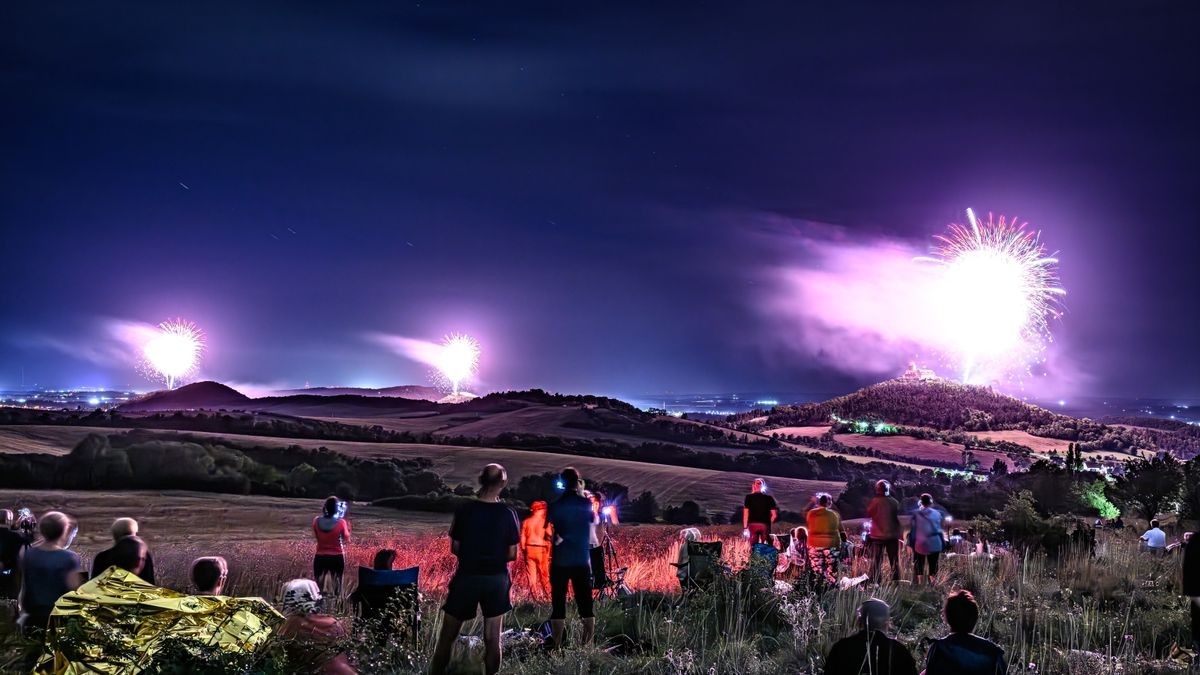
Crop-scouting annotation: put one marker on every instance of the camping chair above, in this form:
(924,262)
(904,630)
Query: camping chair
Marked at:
(702,565)
(383,597)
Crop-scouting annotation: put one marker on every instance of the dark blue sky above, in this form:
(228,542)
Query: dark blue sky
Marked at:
(582,186)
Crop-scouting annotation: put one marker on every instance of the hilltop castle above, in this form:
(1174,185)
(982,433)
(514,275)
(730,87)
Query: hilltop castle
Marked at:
(915,374)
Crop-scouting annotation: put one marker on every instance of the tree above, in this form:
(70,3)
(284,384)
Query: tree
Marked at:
(1189,497)
(1150,485)
(999,467)
(643,508)
(687,513)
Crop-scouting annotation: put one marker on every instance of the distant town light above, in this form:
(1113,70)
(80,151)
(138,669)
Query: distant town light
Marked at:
(93,401)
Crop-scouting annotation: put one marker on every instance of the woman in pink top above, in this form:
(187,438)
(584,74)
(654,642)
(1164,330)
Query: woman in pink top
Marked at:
(332,532)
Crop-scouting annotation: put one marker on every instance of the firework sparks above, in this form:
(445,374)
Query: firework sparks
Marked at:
(173,352)
(457,359)
(997,293)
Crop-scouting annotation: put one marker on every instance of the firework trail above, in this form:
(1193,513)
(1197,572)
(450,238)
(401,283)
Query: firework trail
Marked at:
(996,295)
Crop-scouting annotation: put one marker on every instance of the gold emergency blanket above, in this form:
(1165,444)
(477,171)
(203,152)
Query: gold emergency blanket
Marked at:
(116,623)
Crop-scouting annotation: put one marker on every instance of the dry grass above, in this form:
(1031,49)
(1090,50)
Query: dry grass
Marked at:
(715,490)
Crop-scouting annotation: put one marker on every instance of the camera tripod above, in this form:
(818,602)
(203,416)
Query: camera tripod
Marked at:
(605,585)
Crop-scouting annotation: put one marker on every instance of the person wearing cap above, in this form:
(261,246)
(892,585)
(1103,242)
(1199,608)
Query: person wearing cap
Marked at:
(535,546)
(870,650)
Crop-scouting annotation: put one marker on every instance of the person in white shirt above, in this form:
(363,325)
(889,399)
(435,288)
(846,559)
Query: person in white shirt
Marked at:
(1155,539)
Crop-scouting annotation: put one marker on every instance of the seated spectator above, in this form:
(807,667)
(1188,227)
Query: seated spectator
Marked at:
(870,650)
(130,555)
(385,559)
(209,574)
(314,635)
(121,528)
(797,552)
(962,652)
(48,570)
(686,535)
(1154,539)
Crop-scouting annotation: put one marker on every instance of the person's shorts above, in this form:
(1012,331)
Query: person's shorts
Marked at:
(469,592)
(328,564)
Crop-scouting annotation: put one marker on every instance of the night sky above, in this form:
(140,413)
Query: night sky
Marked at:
(601,193)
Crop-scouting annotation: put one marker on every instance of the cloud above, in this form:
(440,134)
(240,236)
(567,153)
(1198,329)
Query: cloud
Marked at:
(862,305)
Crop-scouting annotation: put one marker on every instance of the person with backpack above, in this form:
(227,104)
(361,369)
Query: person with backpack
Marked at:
(926,539)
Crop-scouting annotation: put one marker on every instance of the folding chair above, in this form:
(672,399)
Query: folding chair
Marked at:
(384,597)
(702,565)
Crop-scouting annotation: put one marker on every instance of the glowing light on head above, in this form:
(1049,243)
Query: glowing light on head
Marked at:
(173,353)
(996,294)
(458,359)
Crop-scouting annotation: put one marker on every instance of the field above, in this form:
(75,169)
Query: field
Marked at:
(1115,613)
(717,490)
(920,449)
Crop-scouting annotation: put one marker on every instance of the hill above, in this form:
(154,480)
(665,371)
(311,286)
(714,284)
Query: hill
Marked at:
(412,391)
(205,394)
(936,404)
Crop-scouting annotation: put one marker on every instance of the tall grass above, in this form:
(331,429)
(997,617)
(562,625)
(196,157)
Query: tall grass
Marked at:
(1115,612)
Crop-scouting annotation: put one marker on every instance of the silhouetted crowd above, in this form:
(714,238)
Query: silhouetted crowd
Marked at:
(564,544)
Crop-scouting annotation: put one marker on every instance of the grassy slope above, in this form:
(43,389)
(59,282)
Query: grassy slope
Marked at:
(176,517)
(713,489)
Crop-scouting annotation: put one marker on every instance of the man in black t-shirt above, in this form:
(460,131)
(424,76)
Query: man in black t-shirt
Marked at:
(758,512)
(483,536)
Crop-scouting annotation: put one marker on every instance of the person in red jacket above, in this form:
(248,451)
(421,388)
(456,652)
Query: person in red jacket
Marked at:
(332,532)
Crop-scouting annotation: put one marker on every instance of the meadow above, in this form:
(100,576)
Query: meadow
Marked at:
(1115,612)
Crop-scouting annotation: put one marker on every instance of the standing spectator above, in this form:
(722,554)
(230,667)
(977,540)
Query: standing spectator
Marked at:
(928,540)
(870,651)
(1191,586)
(758,512)
(535,546)
(121,528)
(12,542)
(483,536)
(331,529)
(1154,539)
(824,539)
(570,559)
(209,574)
(884,511)
(310,633)
(962,652)
(48,570)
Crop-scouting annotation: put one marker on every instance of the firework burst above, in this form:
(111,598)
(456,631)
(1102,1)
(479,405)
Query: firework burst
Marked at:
(997,293)
(173,352)
(457,360)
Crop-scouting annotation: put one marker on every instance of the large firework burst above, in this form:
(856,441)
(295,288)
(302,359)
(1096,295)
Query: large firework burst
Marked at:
(173,353)
(998,292)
